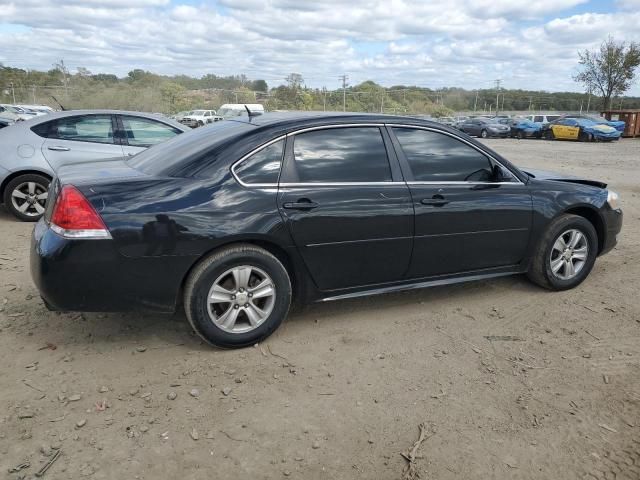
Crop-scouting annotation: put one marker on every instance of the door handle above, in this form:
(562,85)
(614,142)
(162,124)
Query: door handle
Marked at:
(58,148)
(301,204)
(435,201)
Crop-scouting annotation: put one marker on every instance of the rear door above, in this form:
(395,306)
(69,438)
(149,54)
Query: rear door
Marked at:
(471,214)
(81,138)
(139,133)
(348,209)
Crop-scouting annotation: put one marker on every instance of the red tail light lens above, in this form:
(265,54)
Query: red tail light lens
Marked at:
(74,217)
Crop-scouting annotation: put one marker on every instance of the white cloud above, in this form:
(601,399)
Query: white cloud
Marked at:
(435,43)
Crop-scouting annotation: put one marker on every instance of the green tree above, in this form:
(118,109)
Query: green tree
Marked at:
(610,69)
(172,94)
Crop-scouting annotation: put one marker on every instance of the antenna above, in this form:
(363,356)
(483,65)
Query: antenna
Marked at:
(59,104)
(250,113)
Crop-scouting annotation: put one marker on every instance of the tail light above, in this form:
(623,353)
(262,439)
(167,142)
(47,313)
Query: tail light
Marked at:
(74,217)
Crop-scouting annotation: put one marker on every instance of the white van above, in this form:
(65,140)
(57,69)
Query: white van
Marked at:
(229,110)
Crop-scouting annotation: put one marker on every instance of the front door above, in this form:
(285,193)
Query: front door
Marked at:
(80,138)
(347,208)
(471,214)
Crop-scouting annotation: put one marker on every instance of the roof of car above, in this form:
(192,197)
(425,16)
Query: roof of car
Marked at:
(71,113)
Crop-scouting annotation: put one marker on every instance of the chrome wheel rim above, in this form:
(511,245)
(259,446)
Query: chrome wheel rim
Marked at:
(241,299)
(569,254)
(29,198)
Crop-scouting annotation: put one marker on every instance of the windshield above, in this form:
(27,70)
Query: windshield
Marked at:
(168,158)
(197,112)
(230,112)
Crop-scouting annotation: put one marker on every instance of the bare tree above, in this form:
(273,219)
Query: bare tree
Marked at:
(609,70)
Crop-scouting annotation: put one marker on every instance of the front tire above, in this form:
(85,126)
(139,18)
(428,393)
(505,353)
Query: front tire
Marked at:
(484,134)
(25,196)
(548,135)
(238,296)
(520,135)
(565,254)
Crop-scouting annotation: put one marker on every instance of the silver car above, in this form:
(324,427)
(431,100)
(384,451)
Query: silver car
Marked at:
(31,151)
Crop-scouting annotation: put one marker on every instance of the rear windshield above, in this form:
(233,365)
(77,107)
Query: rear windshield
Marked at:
(174,156)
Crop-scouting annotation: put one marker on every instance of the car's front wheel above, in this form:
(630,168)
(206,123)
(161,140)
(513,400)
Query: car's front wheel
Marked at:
(484,134)
(25,196)
(237,296)
(565,254)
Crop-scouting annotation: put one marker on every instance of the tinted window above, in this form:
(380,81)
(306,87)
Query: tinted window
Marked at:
(144,132)
(88,128)
(353,154)
(435,157)
(262,166)
(551,118)
(43,129)
(538,118)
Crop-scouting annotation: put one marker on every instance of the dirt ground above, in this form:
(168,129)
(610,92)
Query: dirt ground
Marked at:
(511,381)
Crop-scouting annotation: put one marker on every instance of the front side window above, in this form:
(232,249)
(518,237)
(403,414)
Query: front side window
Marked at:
(263,166)
(436,157)
(349,154)
(144,132)
(87,128)
(538,119)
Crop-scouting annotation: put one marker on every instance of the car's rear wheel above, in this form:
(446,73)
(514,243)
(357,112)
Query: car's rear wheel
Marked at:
(548,135)
(200,123)
(565,254)
(520,134)
(237,296)
(25,196)
(484,134)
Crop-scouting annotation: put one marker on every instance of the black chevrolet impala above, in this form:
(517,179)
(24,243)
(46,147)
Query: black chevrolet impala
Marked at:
(237,220)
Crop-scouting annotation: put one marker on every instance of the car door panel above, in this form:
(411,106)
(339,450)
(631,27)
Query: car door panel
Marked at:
(470,212)
(350,232)
(88,141)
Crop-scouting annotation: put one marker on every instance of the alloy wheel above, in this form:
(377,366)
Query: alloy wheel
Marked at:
(241,299)
(569,254)
(29,198)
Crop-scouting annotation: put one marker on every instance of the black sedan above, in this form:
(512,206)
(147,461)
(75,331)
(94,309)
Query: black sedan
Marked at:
(238,220)
(485,127)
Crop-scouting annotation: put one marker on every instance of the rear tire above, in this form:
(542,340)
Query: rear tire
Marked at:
(484,134)
(549,266)
(234,318)
(548,135)
(18,197)
(520,135)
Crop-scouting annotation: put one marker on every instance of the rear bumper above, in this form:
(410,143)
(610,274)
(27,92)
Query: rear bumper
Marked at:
(613,226)
(92,276)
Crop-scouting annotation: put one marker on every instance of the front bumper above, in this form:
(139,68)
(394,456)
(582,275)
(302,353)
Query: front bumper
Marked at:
(613,226)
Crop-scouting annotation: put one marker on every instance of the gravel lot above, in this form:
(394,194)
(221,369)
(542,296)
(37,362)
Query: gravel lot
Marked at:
(340,390)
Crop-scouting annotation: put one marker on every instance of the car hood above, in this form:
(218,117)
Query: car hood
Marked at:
(559,177)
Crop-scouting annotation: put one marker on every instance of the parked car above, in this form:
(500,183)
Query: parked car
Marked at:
(20,113)
(230,110)
(543,119)
(5,122)
(37,109)
(7,114)
(484,127)
(180,115)
(239,219)
(617,124)
(450,121)
(523,128)
(580,129)
(200,118)
(32,151)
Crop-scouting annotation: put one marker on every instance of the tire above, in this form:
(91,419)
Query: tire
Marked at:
(585,137)
(520,135)
(540,270)
(484,134)
(214,270)
(200,123)
(25,184)
(548,135)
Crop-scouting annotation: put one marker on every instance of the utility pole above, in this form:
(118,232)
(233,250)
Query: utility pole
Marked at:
(530,100)
(344,79)
(498,81)
(13,93)
(33,90)
(382,102)
(324,99)
(475,103)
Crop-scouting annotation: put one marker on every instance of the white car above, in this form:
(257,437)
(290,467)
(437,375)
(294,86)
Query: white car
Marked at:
(199,118)
(20,113)
(543,119)
(229,110)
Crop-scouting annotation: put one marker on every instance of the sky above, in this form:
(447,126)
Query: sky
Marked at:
(429,43)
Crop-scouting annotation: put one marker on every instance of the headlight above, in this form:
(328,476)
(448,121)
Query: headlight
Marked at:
(612,200)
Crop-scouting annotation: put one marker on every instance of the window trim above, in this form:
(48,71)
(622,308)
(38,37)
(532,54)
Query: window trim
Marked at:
(403,157)
(250,154)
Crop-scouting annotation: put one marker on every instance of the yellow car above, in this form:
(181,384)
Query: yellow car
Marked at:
(582,129)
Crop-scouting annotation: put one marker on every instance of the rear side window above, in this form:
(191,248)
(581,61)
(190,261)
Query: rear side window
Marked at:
(436,157)
(551,118)
(263,166)
(144,132)
(43,129)
(349,154)
(87,128)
